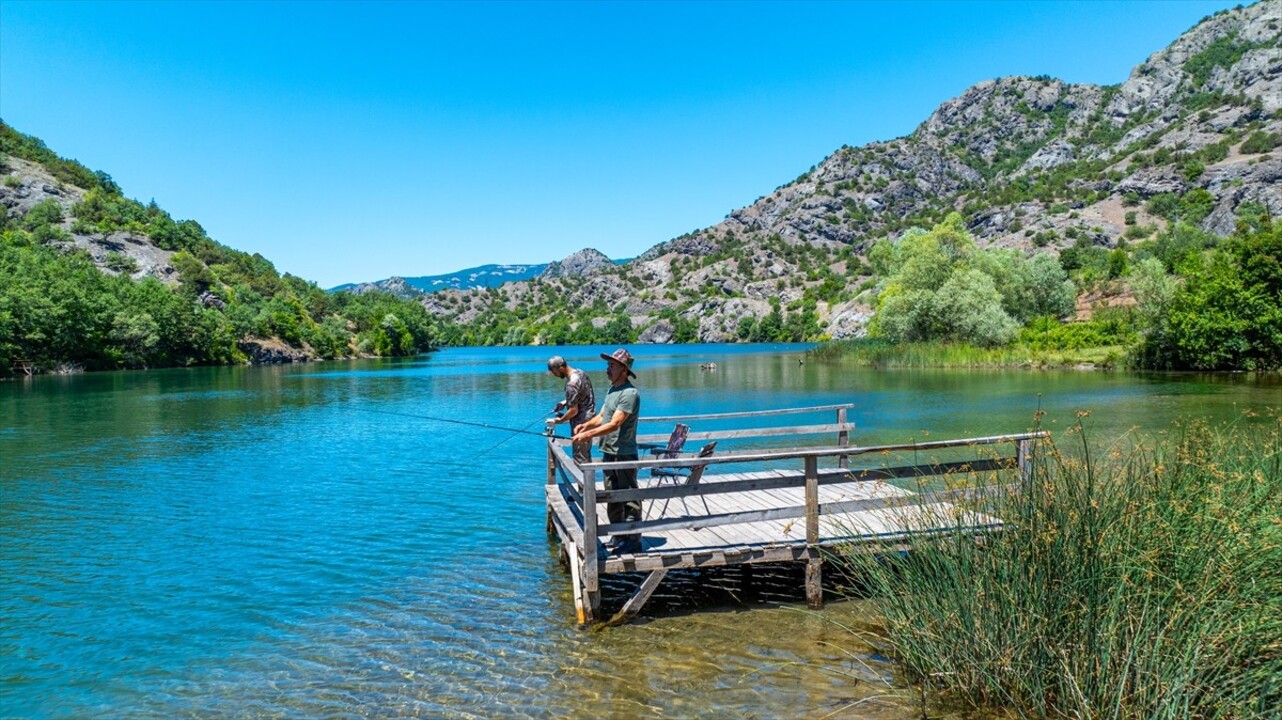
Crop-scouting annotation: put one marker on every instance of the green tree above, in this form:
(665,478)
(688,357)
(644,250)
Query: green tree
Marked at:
(1228,313)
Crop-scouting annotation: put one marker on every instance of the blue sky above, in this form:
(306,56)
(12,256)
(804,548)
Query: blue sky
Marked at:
(355,141)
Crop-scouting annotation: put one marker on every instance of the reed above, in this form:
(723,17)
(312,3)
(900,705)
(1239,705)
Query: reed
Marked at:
(1143,584)
(884,354)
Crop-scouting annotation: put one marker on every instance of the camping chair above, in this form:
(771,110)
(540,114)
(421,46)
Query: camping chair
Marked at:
(691,475)
(676,441)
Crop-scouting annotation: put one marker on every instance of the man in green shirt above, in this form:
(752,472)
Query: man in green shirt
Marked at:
(616,425)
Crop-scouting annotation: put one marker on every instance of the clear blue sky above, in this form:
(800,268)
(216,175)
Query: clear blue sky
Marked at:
(355,141)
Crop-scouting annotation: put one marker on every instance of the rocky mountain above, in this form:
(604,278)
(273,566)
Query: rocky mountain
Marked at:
(1032,163)
(478,277)
(584,262)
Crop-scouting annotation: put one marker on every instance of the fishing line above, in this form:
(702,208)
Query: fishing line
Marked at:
(488,426)
(539,419)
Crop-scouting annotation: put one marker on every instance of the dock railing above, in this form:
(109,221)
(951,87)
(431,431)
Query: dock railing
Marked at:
(577,485)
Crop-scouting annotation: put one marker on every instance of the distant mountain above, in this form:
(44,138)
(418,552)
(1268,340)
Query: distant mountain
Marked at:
(485,276)
(1034,164)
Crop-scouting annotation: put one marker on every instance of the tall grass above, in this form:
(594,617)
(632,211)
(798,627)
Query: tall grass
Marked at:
(1145,584)
(884,354)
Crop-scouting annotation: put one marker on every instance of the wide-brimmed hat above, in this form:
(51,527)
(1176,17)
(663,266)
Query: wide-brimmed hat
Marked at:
(623,357)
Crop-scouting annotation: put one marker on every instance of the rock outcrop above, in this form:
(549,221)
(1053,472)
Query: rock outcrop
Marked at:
(1035,164)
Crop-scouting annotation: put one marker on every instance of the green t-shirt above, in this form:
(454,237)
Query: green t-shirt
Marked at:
(623,441)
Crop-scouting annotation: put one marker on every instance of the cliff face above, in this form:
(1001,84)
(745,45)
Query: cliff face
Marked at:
(1033,163)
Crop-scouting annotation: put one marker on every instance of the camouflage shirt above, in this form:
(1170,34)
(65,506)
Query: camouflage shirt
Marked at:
(578,393)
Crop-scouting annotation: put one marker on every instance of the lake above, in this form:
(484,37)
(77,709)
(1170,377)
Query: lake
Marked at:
(271,541)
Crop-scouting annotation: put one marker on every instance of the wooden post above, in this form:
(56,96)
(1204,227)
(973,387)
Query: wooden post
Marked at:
(843,439)
(1024,459)
(579,606)
(591,588)
(551,455)
(551,472)
(814,571)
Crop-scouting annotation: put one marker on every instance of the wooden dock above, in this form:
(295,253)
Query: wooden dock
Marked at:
(768,504)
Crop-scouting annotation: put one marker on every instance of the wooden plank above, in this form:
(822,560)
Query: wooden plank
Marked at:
(729,535)
(799,453)
(580,606)
(735,535)
(564,516)
(565,462)
(812,501)
(634,604)
(745,413)
(714,484)
(591,586)
(843,438)
(879,503)
(753,433)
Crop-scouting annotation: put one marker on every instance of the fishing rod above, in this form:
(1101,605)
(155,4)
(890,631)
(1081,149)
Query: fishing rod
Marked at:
(487,426)
(495,446)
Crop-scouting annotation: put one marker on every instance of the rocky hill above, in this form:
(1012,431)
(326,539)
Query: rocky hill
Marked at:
(1032,163)
(90,279)
(477,277)
(28,184)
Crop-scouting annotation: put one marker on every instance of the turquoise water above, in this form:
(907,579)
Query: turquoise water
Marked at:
(260,541)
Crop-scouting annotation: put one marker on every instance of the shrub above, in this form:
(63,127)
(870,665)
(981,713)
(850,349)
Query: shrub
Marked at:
(121,263)
(1261,142)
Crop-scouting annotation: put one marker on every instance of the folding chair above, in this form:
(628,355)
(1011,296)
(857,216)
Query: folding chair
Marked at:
(676,441)
(691,475)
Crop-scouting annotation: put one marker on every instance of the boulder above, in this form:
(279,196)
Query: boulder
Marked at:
(270,351)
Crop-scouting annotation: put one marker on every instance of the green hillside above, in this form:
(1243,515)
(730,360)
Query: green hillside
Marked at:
(90,279)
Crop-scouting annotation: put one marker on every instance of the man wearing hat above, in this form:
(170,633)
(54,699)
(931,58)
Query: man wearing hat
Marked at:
(579,403)
(616,425)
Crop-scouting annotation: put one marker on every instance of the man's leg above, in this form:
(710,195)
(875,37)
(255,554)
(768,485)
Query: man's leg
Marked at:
(629,511)
(582,451)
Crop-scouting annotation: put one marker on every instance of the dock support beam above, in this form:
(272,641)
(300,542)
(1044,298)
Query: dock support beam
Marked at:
(814,568)
(638,600)
(591,587)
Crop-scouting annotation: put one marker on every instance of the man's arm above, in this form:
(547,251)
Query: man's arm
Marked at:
(569,414)
(594,427)
(589,423)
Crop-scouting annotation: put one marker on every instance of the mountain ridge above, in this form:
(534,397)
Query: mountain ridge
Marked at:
(1032,163)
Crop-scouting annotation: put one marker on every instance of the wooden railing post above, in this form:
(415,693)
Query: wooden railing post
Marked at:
(814,570)
(843,439)
(1024,460)
(547,429)
(591,590)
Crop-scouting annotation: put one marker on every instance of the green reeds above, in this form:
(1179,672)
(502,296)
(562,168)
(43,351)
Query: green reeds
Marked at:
(1144,584)
(883,354)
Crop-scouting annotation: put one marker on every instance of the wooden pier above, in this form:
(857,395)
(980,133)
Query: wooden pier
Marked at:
(767,504)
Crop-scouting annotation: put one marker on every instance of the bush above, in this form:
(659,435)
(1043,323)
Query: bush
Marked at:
(1228,313)
(121,263)
(1261,142)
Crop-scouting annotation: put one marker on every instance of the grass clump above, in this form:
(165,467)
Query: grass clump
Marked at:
(885,354)
(1147,584)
